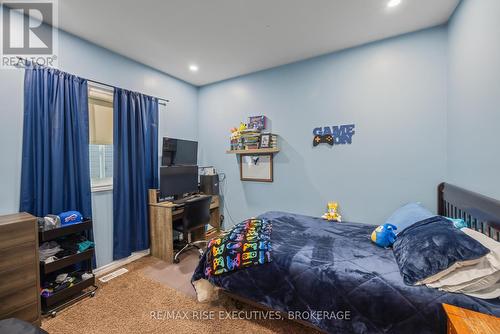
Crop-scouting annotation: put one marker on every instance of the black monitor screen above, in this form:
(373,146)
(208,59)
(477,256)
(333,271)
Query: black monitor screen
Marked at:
(178,180)
(179,152)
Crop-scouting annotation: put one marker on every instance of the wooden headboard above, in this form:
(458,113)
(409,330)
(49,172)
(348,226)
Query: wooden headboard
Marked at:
(481,213)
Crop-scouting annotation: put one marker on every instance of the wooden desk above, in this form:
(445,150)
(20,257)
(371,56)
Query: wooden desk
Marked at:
(161,217)
(463,321)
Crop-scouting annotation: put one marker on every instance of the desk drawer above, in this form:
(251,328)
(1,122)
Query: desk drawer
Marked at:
(18,256)
(18,299)
(18,278)
(16,234)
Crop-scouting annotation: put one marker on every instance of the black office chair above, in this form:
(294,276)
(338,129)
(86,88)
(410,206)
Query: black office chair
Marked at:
(196,215)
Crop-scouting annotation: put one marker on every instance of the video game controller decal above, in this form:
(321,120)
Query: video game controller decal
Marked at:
(333,135)
(328,139)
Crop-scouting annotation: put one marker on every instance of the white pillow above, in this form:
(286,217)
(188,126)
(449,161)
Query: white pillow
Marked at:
(480,280)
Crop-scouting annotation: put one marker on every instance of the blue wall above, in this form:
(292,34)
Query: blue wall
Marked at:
(178,119)
(425,107)
(394,91)
(474,97)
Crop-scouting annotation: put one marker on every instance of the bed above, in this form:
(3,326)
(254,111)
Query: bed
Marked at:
(335,279)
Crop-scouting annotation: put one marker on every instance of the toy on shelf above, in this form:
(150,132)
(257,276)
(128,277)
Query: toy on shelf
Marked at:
(237,142)
(244,138)
(242,127)
(332,214)
(257,122)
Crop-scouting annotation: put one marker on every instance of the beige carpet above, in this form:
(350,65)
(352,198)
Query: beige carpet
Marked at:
(176,276)
(125,304)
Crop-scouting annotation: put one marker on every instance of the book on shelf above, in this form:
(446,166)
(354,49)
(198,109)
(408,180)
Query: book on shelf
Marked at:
(273,140)
(250,139)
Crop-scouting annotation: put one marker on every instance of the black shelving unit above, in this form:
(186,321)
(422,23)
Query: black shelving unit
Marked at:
(63,298)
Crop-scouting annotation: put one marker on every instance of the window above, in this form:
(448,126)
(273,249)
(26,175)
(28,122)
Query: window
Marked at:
(101,138)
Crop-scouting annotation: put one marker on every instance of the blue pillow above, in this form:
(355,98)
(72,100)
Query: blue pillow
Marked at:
(432,246)
(408,215)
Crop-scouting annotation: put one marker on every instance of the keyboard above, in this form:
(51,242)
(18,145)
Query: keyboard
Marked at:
(182,201)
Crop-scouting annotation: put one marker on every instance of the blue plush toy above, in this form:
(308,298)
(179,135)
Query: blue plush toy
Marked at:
(384,235)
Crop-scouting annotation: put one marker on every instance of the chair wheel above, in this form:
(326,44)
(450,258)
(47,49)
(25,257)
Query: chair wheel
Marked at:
(177,260)
(92,294)
(53,314)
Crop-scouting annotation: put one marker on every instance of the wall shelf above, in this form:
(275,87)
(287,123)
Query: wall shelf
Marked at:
(255,151)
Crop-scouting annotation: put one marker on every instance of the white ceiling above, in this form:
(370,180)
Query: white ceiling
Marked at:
(227,38)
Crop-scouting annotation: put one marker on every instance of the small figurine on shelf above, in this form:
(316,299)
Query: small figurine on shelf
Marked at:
(332,214)
(234,133)
(236,137)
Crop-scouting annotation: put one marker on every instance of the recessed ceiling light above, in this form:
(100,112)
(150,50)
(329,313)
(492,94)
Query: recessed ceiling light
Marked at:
(393,3)
(193,68)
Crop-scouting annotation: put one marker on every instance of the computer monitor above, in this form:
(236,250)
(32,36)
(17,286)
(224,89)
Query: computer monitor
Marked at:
(179,152)
(178,180)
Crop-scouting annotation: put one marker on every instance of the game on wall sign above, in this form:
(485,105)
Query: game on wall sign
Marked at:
(334,135)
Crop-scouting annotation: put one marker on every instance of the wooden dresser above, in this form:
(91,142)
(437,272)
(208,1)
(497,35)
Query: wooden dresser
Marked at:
(463,321)
(19,268)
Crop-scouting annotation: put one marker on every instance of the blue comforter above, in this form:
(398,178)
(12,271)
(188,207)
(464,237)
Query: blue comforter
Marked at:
(334,267)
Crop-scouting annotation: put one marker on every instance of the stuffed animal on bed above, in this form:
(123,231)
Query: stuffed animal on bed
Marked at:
(333,212)
(384,235)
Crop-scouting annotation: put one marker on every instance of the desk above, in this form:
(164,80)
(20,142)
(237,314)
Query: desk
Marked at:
(161,217)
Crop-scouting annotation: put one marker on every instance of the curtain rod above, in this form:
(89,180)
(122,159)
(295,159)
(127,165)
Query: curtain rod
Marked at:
(108,85)
(23,61)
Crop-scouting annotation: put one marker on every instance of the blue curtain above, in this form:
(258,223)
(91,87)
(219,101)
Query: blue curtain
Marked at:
(55,174)
(135,169)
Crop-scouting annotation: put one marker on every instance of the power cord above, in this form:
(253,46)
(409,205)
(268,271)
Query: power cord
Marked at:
(222,181)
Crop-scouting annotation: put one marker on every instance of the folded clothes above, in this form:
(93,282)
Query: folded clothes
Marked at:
(87,276)
(83,246)
(63,281)
(62,286)
(50,259)
(64,247)
(48,249)
(70,243)
(61,277)
(51,222)
(64,253)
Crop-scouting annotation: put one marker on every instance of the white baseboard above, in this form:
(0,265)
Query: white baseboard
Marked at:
(120,263)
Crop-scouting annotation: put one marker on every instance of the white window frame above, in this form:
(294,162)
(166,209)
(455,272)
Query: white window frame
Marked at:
(101,92)
(105,184)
